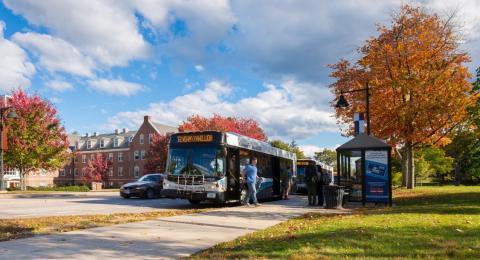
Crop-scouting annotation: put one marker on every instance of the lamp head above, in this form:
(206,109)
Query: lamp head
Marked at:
(342,102)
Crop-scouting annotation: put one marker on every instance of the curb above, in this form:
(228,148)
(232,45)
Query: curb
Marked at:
(53,195)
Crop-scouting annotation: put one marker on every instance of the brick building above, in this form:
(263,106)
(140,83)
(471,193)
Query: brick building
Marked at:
(126,150)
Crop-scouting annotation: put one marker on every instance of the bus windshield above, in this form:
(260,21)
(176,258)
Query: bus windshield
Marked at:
(206,161)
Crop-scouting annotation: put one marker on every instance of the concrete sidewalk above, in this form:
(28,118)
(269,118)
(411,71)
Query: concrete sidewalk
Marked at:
(170,237)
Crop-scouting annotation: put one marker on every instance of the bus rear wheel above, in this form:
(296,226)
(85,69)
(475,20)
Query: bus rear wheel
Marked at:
(194,202)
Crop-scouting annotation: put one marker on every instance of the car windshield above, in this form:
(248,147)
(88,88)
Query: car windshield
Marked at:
(205,161)
(153,178)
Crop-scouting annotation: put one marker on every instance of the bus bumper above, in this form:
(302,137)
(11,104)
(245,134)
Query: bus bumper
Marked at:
(215,196)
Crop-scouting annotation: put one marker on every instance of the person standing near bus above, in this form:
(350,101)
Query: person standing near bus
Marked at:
(320,183)
(250,172)
(311,179)
(288,183)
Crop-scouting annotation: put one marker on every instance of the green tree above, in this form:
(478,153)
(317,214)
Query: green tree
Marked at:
(433,162)
(327,156)
(36,139)
(292,147)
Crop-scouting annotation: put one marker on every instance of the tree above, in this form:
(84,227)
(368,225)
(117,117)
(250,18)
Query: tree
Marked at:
(157,155)
(327,156)
(419,84)
(97,169)
(36,139)
(465,146)
(243,126)
(292,147)
(433,162)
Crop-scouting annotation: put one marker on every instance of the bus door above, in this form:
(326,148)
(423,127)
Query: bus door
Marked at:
(276,176)
(233,175)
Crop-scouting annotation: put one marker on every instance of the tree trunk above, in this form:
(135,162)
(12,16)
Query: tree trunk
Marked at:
(458,174)
(22,180)
(410,166)
(404,167)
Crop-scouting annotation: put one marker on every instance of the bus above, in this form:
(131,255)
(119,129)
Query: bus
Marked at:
(207,166)
(310,164)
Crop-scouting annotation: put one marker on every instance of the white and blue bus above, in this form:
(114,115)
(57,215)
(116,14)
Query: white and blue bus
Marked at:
(208,165)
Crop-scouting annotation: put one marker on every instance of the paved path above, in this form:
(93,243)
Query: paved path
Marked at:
(96,203)
(169,237)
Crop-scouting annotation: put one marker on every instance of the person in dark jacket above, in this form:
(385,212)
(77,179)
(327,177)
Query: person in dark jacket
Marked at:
(320,183)
(311,180)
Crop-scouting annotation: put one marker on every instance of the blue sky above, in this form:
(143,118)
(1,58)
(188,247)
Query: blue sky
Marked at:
(105,64)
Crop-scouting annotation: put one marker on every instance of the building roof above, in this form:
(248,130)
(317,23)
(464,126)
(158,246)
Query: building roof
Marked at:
(363,141)
(163,129)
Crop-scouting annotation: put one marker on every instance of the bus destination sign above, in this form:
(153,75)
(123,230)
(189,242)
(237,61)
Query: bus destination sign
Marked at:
(200,138)
(304,163)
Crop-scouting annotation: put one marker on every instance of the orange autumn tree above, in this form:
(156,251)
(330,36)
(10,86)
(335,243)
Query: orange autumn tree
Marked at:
(243,126)
(419,83)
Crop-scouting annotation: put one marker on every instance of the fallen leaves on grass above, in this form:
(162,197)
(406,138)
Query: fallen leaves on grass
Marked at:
(27,227)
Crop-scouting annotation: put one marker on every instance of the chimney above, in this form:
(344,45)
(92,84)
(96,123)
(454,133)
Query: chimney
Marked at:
(86,134)
(116,131)
(146,119)
(125,130)
(94,133)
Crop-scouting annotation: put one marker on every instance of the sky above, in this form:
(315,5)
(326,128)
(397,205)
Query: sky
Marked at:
(106,64)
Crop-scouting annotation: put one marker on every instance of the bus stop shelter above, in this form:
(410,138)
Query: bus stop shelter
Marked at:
(370,179)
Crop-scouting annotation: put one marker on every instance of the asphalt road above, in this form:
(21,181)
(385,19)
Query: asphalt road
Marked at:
(103,203)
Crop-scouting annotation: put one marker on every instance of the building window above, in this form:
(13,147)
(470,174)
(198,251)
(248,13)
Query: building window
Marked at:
(136,171)
(120,171)
(92,157)
(120,157)
(89,144)
(110,157)
(141,139)
(84,158)
(142,154)
(150,138)
(115,142)
(102,143)
(130,139)
(62,172)
(135,155)
(110,171)
(75,159)
(75,172)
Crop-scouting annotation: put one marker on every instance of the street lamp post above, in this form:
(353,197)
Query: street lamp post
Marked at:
(342,102)
(11,114)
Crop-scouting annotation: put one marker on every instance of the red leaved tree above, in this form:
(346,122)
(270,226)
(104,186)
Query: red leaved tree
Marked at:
(157,155)
(97,169)
(36,139)
(243,126)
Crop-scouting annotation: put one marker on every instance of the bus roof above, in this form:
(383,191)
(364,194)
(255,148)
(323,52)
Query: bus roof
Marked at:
(323,165)
(230,139)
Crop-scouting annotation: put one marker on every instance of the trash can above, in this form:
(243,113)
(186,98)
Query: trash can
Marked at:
(333,196)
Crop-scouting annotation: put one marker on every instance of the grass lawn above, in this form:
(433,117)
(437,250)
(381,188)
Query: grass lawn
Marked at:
(27,227)
(429,222)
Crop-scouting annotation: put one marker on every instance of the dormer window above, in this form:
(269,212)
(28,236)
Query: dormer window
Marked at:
(116,142)
(102,143)
(130,139)
(89,144)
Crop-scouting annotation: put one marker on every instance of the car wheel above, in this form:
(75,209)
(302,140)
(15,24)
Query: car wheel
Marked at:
(194,202)
(125,196)
(150,194)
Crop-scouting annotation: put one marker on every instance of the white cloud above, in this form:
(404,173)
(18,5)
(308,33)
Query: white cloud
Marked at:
(290,110)
(310,150)
(199,67)
(15,67)
(116,87)
(59,86)
(55,54)
(104,30)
